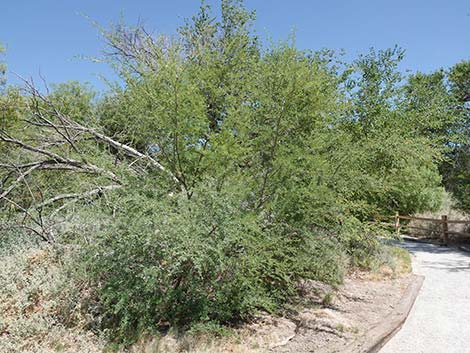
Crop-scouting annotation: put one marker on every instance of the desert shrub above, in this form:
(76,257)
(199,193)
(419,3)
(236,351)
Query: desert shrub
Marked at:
(174,262)
(397,258)
(38,301)
(220,172)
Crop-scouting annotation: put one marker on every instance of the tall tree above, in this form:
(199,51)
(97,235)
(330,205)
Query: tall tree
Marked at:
(3,68)
(456,171)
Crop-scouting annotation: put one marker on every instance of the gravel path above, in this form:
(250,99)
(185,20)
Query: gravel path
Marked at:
(439,322)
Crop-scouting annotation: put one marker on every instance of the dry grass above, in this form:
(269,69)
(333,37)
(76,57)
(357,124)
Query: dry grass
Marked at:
(392,263)
(434,230)
(34,292)
(259,336)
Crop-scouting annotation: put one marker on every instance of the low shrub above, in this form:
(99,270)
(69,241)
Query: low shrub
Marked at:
(174,262)
(39,303)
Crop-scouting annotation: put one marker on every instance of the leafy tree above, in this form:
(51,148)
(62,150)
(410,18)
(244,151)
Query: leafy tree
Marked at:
(3,68)
(459,80)
(456,171)
(441,98)
(10,99)
(393,161)
(75,100)
(224,170)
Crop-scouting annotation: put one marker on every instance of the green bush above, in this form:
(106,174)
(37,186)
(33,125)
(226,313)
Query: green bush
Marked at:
(224,169)
(174,262)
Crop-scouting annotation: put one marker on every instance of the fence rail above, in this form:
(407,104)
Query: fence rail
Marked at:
(443,221)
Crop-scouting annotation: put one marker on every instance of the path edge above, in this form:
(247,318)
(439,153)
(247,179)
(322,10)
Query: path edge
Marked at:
(375,338)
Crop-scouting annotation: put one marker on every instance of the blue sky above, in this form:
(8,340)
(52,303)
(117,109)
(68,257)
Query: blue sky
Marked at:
(47,35)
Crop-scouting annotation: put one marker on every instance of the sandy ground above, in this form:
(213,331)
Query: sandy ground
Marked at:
(359,304)
(439,322)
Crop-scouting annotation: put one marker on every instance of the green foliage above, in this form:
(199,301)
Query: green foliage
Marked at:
(10,99)
(393,152)
(298,156)
(268,161)
(459,77)
(279,170)
(170,262)
(457,169)
(75,100)
(457,175)
(12,105)
(3,68)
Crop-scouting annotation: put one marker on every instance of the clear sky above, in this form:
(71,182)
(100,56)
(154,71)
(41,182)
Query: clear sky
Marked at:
(47,35)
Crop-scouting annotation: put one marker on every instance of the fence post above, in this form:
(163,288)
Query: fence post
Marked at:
(397,223)
(445,230)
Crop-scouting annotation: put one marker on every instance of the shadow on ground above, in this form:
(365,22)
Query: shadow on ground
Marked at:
(458,263)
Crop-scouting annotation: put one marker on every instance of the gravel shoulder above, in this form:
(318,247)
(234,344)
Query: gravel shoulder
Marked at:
(439,320)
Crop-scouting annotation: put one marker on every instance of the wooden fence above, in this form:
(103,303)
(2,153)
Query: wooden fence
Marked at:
(444,223)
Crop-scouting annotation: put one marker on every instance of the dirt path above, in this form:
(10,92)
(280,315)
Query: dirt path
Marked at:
(440,319)
(358,305)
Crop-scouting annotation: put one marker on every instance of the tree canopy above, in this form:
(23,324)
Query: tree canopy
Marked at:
(225,168)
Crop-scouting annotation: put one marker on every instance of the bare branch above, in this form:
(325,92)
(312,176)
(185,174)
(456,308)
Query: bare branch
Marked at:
(130,151)
(44,234)
(24,226)
(78,196)
(133,44)
(69,124)
(17,181)
(59,159)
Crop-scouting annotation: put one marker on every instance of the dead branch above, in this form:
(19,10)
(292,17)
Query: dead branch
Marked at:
(130,151)
(44,234)
(58,158)
(28,228)
(17,181)
(69,125)
(50,152)
(133,45)
(98,191)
